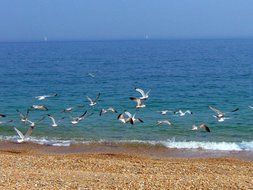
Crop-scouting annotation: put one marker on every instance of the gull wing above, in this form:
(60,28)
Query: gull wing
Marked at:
(53,120)
(97,97)
(20,114)
(20,134)
(91,101)
(203,126)
(141,92)
(128,114)
(235,110)
(29,132)
(216,110)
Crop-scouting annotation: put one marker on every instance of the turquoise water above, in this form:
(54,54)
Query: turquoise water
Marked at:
(182,74)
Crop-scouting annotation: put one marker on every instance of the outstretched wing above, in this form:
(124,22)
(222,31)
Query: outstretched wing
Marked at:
(141,92)
(216,110)
(20,134)
(91,101)
(97,97)
(128,114)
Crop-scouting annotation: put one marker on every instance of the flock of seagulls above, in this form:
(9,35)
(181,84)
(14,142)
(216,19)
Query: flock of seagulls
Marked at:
(124,117)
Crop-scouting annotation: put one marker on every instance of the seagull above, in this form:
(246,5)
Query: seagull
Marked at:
(93,102)
(164,112)
(164,122)
(132,119)
(54,124)
(67,110)
(221,115)
(45,96)
(39,107)
(251,107)
(110,109)
(122,118)
(181,113)
(144,96)
(139,102)
(25,136)
(91,75)
(33,124)
(202,126)
(76,120)
(23,118)
(129,119)
(5,122)
(2,115)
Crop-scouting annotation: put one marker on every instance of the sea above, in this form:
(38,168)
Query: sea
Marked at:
(180,74)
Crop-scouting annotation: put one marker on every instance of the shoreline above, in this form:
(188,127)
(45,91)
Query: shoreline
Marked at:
(148,150)
(36,166)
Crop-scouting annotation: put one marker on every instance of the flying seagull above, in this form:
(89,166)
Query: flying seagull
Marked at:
(220,116)
(33,124)
(25,136)
(202,126)
(39,107)
(181,113)
(2,115)
(93,102)
(139,102)
(144,95)
(110,109)
(45,96)
(164,112)
(54,124)
(76,120)
(91,75)
(251,107)
(23,118)
(5,122)
(164,122)
(127,117)
(132,118)
(67,110)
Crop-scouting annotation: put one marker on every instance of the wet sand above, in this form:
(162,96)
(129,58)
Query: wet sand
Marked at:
(34,166)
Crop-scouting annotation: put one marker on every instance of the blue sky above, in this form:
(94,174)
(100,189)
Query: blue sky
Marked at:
(28,20)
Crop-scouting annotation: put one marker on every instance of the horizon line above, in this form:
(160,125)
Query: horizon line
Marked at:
(124,39)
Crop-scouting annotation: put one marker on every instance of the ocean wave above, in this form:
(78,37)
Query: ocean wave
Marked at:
(218,146)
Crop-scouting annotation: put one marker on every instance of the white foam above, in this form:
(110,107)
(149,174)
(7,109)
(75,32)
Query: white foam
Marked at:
(221,146)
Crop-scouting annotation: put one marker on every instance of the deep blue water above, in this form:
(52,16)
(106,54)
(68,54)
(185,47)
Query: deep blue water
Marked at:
(182,74)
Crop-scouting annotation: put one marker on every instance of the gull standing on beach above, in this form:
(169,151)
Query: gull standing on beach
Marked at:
(202,126)
(144,96)
(220,116)
(93,102)
(45,96)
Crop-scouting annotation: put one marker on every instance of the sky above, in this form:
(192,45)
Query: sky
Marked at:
(33,20)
